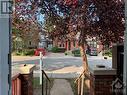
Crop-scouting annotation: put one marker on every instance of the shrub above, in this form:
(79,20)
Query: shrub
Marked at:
(107,53)
(68,53)
(76,53)
(28,52)
(18,53)
(61,49)
(56,49)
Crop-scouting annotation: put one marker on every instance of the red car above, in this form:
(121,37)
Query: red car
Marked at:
(37,51)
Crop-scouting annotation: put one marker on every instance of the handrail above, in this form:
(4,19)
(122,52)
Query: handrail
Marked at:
(83,73)
(45,75)
(47,80)
(80,76)
(80,83)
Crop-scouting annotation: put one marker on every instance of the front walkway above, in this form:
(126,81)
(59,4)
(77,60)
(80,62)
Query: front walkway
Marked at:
(61,87)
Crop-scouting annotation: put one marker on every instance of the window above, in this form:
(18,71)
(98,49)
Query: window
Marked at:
(29,42)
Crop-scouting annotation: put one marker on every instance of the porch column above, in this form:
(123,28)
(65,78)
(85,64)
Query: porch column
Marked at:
(125,51)
(5,57)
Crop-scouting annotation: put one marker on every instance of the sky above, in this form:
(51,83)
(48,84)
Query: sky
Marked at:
(40,18)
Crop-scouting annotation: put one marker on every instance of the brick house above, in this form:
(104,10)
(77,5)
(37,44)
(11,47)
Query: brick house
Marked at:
(72,44)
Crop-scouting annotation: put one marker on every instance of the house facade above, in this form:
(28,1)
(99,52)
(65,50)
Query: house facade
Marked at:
(73,44)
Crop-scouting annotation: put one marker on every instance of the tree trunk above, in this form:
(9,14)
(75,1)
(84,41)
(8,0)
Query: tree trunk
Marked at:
(84,57)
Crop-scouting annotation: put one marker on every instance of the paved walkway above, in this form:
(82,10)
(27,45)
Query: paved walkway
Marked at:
(61,87)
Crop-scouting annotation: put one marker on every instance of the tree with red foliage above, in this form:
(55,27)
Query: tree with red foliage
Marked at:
(103,19)
(24,22)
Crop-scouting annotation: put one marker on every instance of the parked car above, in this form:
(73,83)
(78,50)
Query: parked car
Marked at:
(93,52)
(38,50)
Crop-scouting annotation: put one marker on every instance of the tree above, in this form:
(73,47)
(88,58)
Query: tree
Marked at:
(90,18)
(24,22)
(111,23)
(103,19)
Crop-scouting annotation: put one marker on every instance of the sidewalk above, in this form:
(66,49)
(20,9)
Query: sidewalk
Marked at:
(61,87)
(24,58)
(66,72)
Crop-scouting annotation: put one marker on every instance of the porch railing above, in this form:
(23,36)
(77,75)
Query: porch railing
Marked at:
(17,84)
(80,82)
(46,84)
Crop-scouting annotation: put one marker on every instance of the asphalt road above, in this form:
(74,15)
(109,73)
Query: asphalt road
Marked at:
(59,63)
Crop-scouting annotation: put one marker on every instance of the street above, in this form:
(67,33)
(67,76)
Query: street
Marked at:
(60,64)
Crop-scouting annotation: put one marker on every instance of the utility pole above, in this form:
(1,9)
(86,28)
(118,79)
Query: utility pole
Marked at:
(125,51)
(5,47)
